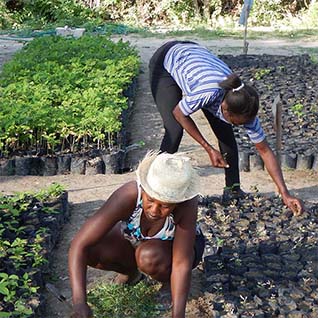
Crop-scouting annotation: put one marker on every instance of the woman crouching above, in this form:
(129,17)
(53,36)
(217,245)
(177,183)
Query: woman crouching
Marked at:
(146,226)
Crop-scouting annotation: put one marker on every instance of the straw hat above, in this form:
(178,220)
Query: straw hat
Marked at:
(169,178)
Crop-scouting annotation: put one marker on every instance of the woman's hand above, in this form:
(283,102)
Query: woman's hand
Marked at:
(216,159)
(81,310)
(294,204)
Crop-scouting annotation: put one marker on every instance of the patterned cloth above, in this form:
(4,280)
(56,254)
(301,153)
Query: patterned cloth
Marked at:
(197,72)
(131,228)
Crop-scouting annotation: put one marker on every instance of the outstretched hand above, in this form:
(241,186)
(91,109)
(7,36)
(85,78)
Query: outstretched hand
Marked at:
(294,204)
(81,311)
(216,159)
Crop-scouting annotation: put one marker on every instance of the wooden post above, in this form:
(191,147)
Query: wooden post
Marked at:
(245,47)
(277,113)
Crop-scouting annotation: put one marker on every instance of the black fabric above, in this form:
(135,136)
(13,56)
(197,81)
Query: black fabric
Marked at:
(199,246)
(167,94)
(228,147)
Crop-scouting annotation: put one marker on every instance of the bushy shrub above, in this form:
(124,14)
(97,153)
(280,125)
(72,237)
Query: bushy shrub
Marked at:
(266,12)
(6,19)
(38,13)
(310,16)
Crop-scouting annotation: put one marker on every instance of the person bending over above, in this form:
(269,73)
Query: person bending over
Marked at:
(186,77)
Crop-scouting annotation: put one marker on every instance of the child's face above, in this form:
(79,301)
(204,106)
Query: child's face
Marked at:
(155,209)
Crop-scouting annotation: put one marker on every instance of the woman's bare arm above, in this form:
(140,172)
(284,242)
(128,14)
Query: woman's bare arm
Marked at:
(275,172)
(118,207)
(191,128)
(182,258)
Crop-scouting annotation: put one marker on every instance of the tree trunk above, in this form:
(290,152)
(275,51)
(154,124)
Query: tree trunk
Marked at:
(206,10)
(196,8)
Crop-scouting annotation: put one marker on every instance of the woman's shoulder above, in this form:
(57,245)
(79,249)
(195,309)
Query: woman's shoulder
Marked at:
(123,199)
(129,189)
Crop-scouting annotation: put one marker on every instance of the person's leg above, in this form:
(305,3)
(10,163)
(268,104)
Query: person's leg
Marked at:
(114,253)
(154,258)
(228,147)
(167,95)
(199,247)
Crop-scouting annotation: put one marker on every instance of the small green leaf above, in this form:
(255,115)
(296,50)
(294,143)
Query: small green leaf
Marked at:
(4,290)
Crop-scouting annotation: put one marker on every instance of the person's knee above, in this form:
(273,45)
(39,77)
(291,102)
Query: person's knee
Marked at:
(153,262)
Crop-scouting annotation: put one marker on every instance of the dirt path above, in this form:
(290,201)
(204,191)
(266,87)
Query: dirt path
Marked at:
(87,193)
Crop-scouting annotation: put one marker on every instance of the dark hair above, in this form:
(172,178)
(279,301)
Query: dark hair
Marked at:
(243,101)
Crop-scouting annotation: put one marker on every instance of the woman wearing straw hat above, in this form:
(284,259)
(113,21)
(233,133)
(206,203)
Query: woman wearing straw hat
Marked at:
(186,77)
(146,226)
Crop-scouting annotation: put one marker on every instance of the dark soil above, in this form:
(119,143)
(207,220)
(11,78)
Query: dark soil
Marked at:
(294,79)
(260,261)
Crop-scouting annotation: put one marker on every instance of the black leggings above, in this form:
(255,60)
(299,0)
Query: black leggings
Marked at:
(199,247)
(167,94)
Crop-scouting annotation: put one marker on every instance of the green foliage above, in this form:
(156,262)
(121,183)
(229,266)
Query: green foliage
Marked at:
(310,16)
(266,12)
(61,90)
(6,19)
(313,53)
(260,73)
(171,13)
(23,253)
(9,286)
(181,11)
(51,192)
(38,13)
(109,300)
(185,12)
(298,110)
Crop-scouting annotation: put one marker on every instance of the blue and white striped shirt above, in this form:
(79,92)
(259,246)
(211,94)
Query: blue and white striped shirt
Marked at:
(197,72)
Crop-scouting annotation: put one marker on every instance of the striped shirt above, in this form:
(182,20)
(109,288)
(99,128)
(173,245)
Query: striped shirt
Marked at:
(197,72)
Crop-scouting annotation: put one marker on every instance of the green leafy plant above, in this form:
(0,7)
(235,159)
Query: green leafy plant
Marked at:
(77,94)
(298,110)
(219,242)
(37,251)
(260,73)
(21,309)
(23,248)
(8,285)
(110,300)
(52,191)
(17,252)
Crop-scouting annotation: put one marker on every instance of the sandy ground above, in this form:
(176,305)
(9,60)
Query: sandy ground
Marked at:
(87,193)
